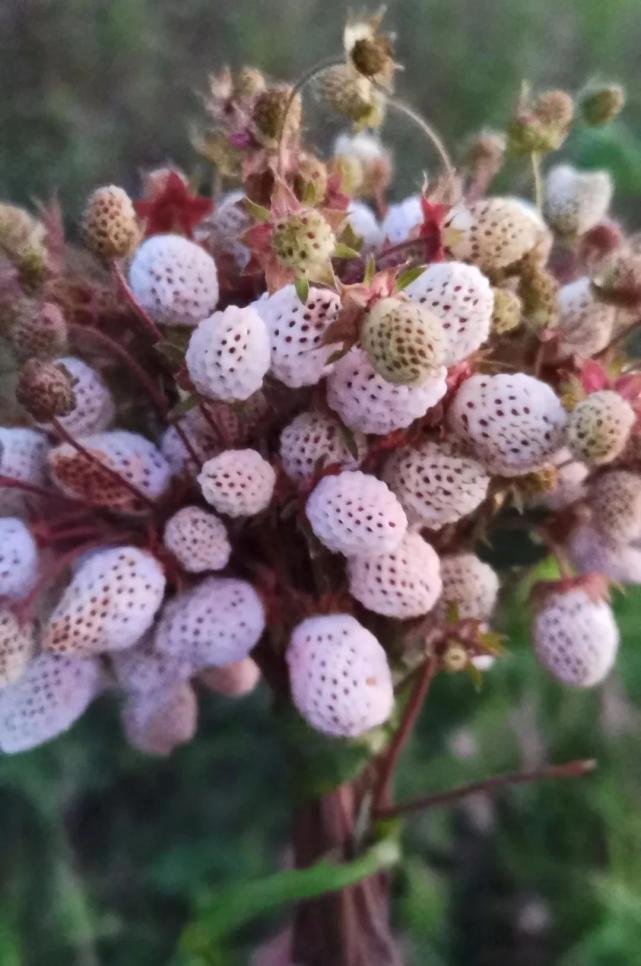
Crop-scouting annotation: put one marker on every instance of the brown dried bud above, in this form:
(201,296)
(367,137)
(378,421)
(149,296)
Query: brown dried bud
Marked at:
(269,114)
(310,182)
(600,103)
(372,55)
(109,224)
(350,95)
(45,389)
(620,281)
(248,82)
(38,330)
(508,307)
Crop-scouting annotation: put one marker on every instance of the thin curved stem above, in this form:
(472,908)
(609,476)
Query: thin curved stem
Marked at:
(430,133)
(571,769)
(11,483)
(535,159)
(302,81)
(132,301)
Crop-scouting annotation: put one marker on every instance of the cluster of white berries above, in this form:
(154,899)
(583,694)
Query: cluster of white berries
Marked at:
(334,456)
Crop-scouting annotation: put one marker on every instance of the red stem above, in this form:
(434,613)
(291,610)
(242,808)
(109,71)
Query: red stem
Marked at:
(13,484)
(130,299)
(571,769)
(382,790)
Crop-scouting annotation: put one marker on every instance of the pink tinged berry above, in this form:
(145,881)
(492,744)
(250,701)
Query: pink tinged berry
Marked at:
(576,201)
(130,455)
(591,551)
(203,438)
(46,700)
(233,680)
(159,722)
(143,669)
(217,622)
(575,637)
(339,676)
(512,423)
(585,324)
(197,539)
(462,298)
(314,440)
(17,646)
(109,604)
(356,514)
(403,583)
(368,403)
(238,482)
(174,280)
(494,233)
(229,354)
(18,559)
(299,355)
(23,456)
(436,483)
(470,587)
(94,408)
(599,427)
(615,501)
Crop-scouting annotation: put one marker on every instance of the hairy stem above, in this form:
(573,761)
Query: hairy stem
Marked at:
(535,159)
(571,769)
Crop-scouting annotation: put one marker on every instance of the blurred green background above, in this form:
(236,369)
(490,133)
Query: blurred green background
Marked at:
(105,855)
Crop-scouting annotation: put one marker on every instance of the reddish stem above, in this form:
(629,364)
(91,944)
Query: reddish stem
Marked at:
(571,769)
(131,300)
(13,484)
(382,790)
(102,467)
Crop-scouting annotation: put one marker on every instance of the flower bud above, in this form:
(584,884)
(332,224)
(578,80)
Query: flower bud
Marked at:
(45,389)
(600,103)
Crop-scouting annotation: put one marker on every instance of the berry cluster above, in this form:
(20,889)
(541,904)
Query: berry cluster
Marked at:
(272,434)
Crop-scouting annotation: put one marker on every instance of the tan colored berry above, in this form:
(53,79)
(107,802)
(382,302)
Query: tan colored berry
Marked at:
(45,389)
(109,223)
(404,341)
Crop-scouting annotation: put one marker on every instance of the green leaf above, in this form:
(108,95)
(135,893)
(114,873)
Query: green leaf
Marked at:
(344,251)
(258,212)
(302,289)
(370,270)
(407,277)
(223,912)
(182,407)
(350,441)
(174,354)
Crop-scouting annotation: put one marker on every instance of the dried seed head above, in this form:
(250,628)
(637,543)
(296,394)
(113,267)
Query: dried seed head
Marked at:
(304,242)
(269,114)
(109,224)
(351,95)
(45,389)
(404,341)
(38,330)
(94,407)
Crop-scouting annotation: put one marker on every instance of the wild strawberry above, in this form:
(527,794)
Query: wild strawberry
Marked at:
(591,551)
(304,242)
(401,220)
(217,622)
(575,201)
(585,324)
(109,224)
(132,456)
(405,342)
(94,409)
(369,404)
(599,427)
(268,115)
(575,637)
(299,356)
(461,297)
(339,675)
(18,558)
(17,646)
(436,483)
(197,539)
(228,354)
(108,605)
(23,456)
(174,280)
(233,680)
(46,700)
(498,233)
(313,440)
(356,514)
(615,501)
(404,583)
(158,722)
(143,669)
(238,482)
(469,585)
(513,423)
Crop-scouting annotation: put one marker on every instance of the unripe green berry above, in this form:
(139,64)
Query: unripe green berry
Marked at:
(404,341)
(304,242)
(600,103)
(599,427)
